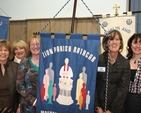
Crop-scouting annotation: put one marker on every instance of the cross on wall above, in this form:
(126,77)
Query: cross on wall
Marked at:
(116,7)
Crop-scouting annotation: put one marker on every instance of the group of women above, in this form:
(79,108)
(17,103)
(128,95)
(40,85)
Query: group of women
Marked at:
(19,75)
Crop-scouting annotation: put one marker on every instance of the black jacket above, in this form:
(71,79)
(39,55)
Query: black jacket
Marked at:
(118,83)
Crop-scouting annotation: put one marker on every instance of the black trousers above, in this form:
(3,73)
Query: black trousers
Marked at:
(133,103)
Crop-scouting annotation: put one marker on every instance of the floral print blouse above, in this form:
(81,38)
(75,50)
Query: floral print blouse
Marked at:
(27,80)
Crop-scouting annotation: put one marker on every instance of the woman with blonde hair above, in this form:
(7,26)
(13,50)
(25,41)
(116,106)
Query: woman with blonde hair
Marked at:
(27,77)
(19,50)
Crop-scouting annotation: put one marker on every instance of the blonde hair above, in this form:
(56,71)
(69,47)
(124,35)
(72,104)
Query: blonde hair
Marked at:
(34,37)
(21,44)
(7,45)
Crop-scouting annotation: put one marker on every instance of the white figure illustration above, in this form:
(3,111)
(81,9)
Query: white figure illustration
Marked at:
(84,75)
(65,84)
(46,84)
(66,71)
(88,100)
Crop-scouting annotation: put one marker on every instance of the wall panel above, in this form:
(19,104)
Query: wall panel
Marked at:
(24,29)
(17,30)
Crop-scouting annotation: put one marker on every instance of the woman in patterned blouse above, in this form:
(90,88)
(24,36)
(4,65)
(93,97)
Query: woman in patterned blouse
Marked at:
(27,77)
(133,101)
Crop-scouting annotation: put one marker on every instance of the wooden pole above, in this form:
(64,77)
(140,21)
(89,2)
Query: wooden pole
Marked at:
(73,16)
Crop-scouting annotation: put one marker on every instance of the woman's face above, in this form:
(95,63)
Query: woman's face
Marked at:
(4,54)
(35,47)
(115,44)
(136,46)
(20,52)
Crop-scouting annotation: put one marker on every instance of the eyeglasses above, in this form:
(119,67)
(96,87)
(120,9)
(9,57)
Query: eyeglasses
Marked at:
(35,44)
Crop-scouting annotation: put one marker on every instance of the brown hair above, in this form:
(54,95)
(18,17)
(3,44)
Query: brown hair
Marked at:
(112,34)
(6,44)
(135,37)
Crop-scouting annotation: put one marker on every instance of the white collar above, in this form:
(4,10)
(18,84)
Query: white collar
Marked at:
(17,60)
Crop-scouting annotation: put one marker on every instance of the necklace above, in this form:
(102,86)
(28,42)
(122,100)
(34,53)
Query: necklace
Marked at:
(135,62)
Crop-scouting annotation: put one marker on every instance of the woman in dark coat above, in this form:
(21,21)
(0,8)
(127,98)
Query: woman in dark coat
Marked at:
(118,78)
(9,97)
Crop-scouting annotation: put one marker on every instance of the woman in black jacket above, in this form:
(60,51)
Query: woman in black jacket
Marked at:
(9,97)
(118,76)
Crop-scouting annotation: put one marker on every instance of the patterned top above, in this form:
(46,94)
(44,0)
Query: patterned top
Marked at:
(27,79)
(135,86)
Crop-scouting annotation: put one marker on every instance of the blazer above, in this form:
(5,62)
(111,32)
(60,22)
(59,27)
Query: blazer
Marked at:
(11,73)
(118,83)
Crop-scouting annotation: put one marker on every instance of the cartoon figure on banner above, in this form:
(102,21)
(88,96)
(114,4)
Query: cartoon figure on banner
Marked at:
(42,92)
(84,75)
(88,100)
(45,85)
(79,87)
(80,101)
(51,72)
(50,92)
(65,84)
(81,93)
(54,92)
(66,71)
(82,96)
(48,80)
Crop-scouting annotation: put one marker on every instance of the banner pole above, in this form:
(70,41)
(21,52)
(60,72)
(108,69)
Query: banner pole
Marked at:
(73,16)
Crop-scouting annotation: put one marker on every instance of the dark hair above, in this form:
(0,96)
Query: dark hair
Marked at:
(112,34)
(135,37)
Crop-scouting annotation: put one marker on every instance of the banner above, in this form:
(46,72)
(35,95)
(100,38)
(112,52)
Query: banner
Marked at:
(67,73)
(125,24)
(4,26)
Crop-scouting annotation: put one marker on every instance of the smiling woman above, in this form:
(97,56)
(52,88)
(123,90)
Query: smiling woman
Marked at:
(9,100)
(27,77)
(118,77)
(19,50)
(134,56)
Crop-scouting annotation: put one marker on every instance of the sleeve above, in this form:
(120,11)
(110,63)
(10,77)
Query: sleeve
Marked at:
(118,102)
(27,93)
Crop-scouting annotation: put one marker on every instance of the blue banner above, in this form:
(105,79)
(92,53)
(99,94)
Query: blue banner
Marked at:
(67,73)
(4,26)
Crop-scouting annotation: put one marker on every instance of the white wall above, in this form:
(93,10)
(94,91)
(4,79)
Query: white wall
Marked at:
(29,9)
